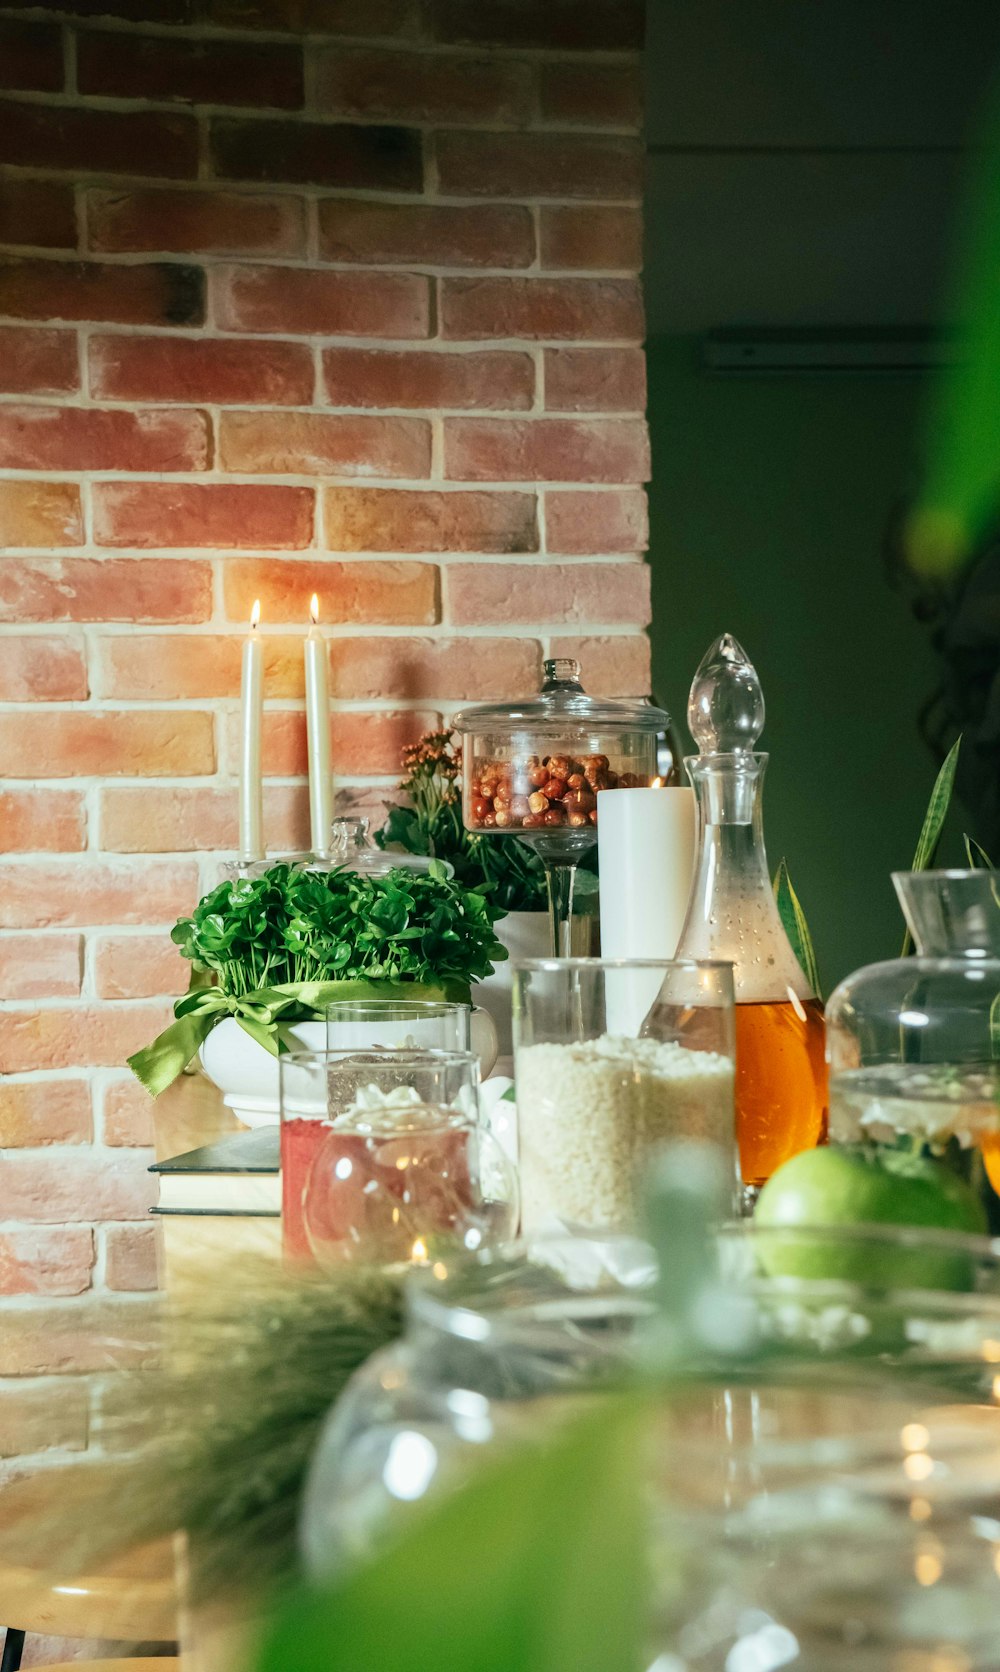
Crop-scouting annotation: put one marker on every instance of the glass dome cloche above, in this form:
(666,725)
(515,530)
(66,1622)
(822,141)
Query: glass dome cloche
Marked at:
(535,771)
(914,1043)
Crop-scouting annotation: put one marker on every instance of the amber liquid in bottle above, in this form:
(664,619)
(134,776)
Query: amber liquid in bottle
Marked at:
(781,1084)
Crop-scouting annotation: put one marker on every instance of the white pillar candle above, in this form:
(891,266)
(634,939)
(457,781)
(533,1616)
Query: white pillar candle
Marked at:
(251,721)
(646,842)
(318,736)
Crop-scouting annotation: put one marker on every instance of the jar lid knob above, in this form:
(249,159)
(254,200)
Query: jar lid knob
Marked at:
(726,706)
(561,672)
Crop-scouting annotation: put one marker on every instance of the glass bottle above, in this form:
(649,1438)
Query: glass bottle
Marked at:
(781,1096)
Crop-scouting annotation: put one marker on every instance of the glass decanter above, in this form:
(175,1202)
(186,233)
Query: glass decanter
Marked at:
(535,771)
(914,1043)
(781,1098)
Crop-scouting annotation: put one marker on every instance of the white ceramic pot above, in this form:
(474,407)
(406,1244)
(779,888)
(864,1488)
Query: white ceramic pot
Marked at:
(247,1075)
(525,934)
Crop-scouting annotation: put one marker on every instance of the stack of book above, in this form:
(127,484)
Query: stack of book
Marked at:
(221,1200)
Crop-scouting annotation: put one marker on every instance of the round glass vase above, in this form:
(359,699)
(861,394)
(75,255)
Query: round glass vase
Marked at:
(914,1043)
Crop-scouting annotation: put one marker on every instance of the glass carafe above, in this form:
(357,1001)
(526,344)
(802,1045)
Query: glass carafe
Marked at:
(914,1043)
(780,1067)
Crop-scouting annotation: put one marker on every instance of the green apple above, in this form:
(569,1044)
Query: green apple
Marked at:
(843,1185)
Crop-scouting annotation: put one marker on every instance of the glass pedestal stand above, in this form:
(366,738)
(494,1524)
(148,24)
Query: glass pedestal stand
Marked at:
(560,851)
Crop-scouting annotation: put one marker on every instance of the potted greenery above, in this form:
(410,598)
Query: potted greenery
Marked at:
(430,822)
(269,953)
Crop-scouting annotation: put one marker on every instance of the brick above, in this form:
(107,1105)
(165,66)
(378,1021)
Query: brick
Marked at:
(40,514)
(538,165)
(307,443)
(50,1189)
(595,380)
(37,362)
(613,666)
(361,156)
(393,520)
(422,86)
(78,438)
(591,236)
(130,1257)
(396,594)
(74,743)
(31,57)
(434,670)
(127,1115)
(70,1336)
(311,303)
(498,382)
(217,514)
(333,17)
(192,72)
(585,523)
(138,966)
(77,895)
(579,25)
(194,369)
(46,1262)
(193,820)
(49,1416)
(95,1036)
(42,821)
(37,212)
(156,293)
(40,966)
(164,667)
(545,449)
(196,222)
(362,744)
(38,1112)
(576,309)
(488,594)
(104,589)
(595,95)
(38,669)
(108,141)
(426,234)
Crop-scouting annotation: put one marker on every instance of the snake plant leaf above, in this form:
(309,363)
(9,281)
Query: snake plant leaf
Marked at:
(793,920)
(979,859)
(537,1565)
(937,812)
(961,490)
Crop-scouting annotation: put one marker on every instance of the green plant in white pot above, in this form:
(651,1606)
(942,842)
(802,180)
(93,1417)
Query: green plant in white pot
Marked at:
(268,955)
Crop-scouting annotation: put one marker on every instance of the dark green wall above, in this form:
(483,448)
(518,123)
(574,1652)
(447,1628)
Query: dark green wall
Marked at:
(768,503)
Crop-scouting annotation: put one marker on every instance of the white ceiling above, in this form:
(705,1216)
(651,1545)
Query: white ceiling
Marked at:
(804,157)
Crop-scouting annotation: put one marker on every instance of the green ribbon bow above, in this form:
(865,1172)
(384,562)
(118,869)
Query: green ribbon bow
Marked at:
(266,1016)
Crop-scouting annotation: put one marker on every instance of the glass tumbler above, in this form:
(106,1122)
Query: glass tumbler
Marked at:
(409,1024)
(613,1058)
(320,1088)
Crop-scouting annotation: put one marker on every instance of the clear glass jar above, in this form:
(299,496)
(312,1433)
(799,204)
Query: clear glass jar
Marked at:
(914,1043)
(495,1350)
(535,771)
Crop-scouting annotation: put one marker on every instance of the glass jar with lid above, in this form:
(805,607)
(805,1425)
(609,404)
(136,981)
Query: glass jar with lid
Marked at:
(535,771)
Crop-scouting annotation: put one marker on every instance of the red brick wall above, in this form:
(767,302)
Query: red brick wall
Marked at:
(294,294)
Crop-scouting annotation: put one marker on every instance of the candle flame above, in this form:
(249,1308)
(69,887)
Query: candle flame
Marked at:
(657,784)
(314,607)
(418,1253)
(255,613)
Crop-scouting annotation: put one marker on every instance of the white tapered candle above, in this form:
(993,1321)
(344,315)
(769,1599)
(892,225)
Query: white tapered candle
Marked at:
(318,735)
(251,721)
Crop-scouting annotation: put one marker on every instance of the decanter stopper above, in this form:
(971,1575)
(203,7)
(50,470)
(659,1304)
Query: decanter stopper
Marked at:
(726,706)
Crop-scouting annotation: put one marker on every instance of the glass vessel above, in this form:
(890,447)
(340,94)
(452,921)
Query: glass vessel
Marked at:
(534,771)
(611,1059)
(781,1094)
(413,1024)
(318,1089)
(914,1043)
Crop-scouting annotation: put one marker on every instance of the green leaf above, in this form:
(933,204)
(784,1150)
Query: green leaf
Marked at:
(962,478)
(937,812)
(538,1565)
(978,858)
(793,920)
